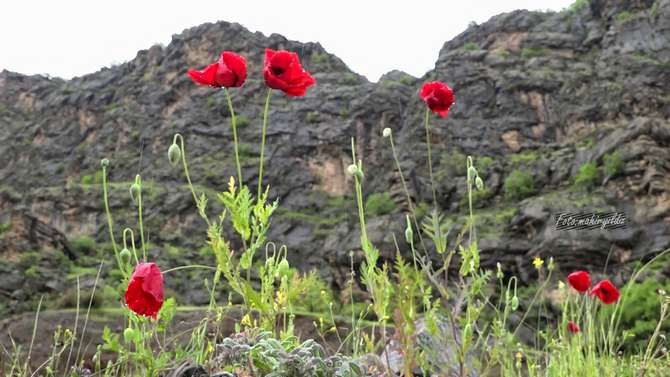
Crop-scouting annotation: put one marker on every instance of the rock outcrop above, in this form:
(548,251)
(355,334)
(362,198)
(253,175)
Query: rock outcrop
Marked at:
(542,93)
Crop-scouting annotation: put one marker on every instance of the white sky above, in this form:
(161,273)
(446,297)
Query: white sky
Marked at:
(69,38)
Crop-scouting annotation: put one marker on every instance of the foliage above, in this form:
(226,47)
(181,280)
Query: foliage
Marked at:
(613,163)
(588,175)
(519,185)
(379,204)
(623,17)
(83,244)
(533,52)
(470,46)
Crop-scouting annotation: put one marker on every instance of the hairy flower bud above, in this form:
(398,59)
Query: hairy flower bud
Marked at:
(104,162)
(352,169)
(472,174)
(514,304)
(125,256)
(479,183)
(283,268)
(409,234)
(499,272)
(386,132)
(174,154)
(136,189)
(129,335)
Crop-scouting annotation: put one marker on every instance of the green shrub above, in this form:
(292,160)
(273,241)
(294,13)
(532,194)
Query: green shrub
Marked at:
(83,244)
(640,308)
(524,158)
(379,204)
(469,46)
(452,164)
(533,52)
(588,175)
(92,179)
(483,164)
(349,79)
(623,17)
(407,79)
(578,5)
(613,164)
(519,185)
(479,198)
(313,117)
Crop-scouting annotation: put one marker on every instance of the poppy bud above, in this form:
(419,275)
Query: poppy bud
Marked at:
(104,162)
(283,268)
(409,234)
(136,189)
(386,132)
(174,154)
(514,304)
(352,169)
(479,183)
(129,335)
(125,256)
(499,272)
(472,173)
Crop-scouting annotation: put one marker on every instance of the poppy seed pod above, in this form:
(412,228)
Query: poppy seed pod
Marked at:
(386,132)
(174,154)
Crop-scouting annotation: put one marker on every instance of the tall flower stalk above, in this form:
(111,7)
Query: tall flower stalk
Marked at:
(263,133)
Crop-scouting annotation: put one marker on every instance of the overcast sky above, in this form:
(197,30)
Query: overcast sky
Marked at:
(69,38)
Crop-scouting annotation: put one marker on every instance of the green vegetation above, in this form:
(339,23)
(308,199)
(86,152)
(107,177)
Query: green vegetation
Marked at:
(91,179)
(349,79)
(313,117)
(519,185)
(379,204)
(613,164)
(470,46)
(242,121)
(318,58)
(533,52)
(588,175)
(83,245)
(623,17)
(524,158)
(406,79)
(452,164)
(578,5)
(483,164)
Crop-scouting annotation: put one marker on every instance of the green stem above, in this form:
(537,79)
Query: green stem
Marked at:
(430,162)
(139,216)
(132,242)
(110,222)
(188,177)
(409,198)
(263,132)
(233,123)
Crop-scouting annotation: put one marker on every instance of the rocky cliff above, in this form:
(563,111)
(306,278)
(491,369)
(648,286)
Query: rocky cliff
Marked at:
(573,105)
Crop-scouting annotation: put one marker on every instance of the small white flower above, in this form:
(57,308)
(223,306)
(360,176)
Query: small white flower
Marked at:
(386,132)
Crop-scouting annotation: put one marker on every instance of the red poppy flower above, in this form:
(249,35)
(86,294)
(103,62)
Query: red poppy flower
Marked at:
(606,292)
(228,72)
(573,327)
(438,96)
(144,295)
(580,280)
(283,71)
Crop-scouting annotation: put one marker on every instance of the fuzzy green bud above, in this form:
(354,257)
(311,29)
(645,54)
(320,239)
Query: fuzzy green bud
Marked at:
(386,132)
(135,192)
(129,335)
(174,154)
(125,256)
(499,272)
(409,234)
(104,162)
(472,174)
(514,304)
(479,183)
(352,169)
(136,189)
(283,268)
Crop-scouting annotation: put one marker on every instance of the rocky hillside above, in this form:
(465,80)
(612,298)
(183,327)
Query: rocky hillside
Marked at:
(564,112)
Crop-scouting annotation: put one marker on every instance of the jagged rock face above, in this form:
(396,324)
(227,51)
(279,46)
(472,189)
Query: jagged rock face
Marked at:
(563,88)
